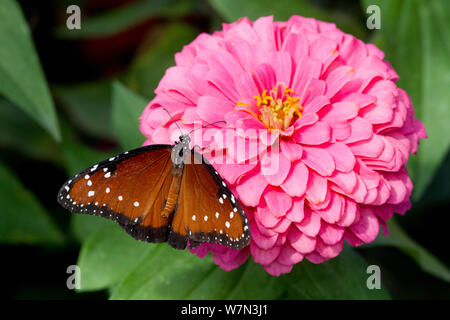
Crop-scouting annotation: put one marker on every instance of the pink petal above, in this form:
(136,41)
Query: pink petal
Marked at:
(306,120)
(367,227)
(337,79)
(282,226)
(190,116)
(275,167)
(315,134)
(333,212)
(319,160)
(371,148)
(265,217)
(314,257)
(289,256)
(316,104)
(306,69)
(310,225)
(296,213)
(329,251)
(399,191)
(360,130)
(301,242)
(262,241)
(296,181)
(352,239)
(342,155)
(381,112)
(317,188)
(340,111)
(233,172)
(276,269)
(212,109)
(231,259)
(350,214)
(264,256)
(291,150)
(331,234)
(251,189)
(345,181)
(278,202)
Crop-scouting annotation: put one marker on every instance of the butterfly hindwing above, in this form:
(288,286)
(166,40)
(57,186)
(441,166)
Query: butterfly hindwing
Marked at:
(207,209)
(129,188)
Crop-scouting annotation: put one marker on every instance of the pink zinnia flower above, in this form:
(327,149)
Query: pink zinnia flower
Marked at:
(328,100)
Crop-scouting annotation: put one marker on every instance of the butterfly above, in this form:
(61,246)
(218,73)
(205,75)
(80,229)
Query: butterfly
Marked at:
(161,193)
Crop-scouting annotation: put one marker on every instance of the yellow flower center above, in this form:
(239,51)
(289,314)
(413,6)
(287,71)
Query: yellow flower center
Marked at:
(277,110)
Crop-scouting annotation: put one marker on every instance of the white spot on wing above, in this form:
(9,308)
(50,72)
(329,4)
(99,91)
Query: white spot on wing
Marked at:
(91,193)
(136,204)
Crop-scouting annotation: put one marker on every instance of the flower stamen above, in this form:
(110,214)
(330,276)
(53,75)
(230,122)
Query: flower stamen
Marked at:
(277,110)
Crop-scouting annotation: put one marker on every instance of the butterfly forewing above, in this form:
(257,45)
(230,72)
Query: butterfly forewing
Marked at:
(207,209)
(129,188)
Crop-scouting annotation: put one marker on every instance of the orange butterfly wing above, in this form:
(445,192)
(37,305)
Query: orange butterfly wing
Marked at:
(130,188)
(207,209)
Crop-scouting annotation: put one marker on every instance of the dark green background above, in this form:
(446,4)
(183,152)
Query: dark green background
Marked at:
(69,99)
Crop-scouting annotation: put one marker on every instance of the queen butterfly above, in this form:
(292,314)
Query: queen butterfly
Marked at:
(161,193)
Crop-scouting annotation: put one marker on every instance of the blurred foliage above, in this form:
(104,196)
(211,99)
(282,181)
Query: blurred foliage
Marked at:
(21,77)
(116,62)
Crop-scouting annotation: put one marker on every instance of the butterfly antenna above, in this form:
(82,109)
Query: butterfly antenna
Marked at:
(173,120)
(209,124)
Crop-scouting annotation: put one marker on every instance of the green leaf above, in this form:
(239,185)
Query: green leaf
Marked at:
(126,17)
(23,220)
(126,110)
(88,106)
(343,277)
(416,39)
(78,157)
(82,226)
(156,56)
(21,78)
(232,10)
(172,274)
(282,10)
(425,260)
(19,132)
(107,256)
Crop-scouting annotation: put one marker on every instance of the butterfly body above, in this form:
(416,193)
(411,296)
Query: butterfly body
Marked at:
(161,193)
